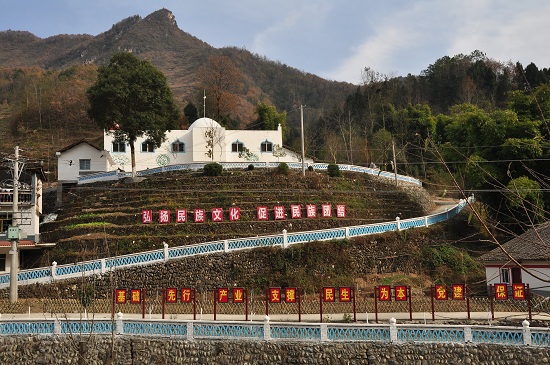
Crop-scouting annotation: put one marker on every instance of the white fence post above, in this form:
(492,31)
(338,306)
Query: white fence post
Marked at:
(119,325)
(56,327)
(285,239)
(425,221)
(526,333)
(324,332)
(54,270)
(347,232)
(190,331)
(267,329)
(397,219)
(225,246)
(468,334)
(103,266)
(393,330)
(166,257)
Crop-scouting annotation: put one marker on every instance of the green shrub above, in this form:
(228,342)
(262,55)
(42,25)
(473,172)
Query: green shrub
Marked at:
(250,167)
(282,169)
(213,169)
(333,170)
(310,168)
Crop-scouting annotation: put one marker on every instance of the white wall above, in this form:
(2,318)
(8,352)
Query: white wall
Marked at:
(541,270)
(195,148)
(68,162)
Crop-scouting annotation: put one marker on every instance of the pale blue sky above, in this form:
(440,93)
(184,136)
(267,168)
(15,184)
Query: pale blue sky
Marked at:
(334,39)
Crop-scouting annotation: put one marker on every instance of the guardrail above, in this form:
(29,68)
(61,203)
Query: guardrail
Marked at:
(115,175)
(285,239)
(277,331)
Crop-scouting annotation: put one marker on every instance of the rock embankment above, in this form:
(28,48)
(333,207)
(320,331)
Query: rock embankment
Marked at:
(72,349)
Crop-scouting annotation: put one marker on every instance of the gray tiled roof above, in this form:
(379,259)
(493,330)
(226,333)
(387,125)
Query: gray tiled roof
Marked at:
(532,245)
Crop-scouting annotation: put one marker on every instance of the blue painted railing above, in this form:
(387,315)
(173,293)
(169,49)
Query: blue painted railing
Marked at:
(279,331)
(101,266)
(115,175)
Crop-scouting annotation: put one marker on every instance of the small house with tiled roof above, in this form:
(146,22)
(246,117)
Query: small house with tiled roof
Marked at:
(532,251)
(81,158)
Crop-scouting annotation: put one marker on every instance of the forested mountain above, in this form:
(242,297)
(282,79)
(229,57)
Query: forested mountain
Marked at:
(470,118)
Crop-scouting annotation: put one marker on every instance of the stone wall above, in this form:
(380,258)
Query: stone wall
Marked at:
(129,350)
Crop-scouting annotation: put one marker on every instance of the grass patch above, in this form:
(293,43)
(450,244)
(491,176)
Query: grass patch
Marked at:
(71,227)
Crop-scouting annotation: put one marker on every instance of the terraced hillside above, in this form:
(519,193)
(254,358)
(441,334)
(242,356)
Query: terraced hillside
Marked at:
(104,219)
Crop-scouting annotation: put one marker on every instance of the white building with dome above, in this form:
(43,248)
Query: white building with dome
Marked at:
(205,141)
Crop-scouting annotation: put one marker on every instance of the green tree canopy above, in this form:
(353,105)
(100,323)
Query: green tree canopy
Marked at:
(131,99)
(269,118)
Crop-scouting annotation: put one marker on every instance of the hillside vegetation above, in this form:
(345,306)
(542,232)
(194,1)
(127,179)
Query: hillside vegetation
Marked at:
(104,219)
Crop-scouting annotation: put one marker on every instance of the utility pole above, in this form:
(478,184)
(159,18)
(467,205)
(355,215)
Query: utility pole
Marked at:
(13,230)
(394,161)
(303,148)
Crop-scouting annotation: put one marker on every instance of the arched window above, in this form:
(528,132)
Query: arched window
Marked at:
(266,146)
(237,146)
(148,146)
(119,146)
(178,147)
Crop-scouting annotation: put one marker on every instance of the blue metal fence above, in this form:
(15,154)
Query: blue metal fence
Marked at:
(101,266)
(277,331)
(114,175)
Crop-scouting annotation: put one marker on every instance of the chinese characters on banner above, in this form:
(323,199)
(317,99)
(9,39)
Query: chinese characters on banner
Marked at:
(457,291)
(384,293)
(501,291)
(186,295)
(238,295)
(222,295)
(400,293)
(274,295)
(171,295)
(199,215)
(440,292)
(121,296)
(518,291)
(328,294)
(345,294)
(290,295)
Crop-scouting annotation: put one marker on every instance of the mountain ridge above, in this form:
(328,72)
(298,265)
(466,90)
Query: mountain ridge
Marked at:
(179,55)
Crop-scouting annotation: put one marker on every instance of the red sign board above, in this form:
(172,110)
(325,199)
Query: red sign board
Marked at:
(217,214)
(234,213)
(290,295)
(458,291)
(262,213)
(199,215)
(518,291)
(328,294)
(440,292)
(120,296)
(146,216)
(400,292)
(181,215)
(185,295)
(223,295)
(275,295)
(171,295)
(501,291)
(238,295)
(164,216)
(135,296)
(344,294)
(384,293)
